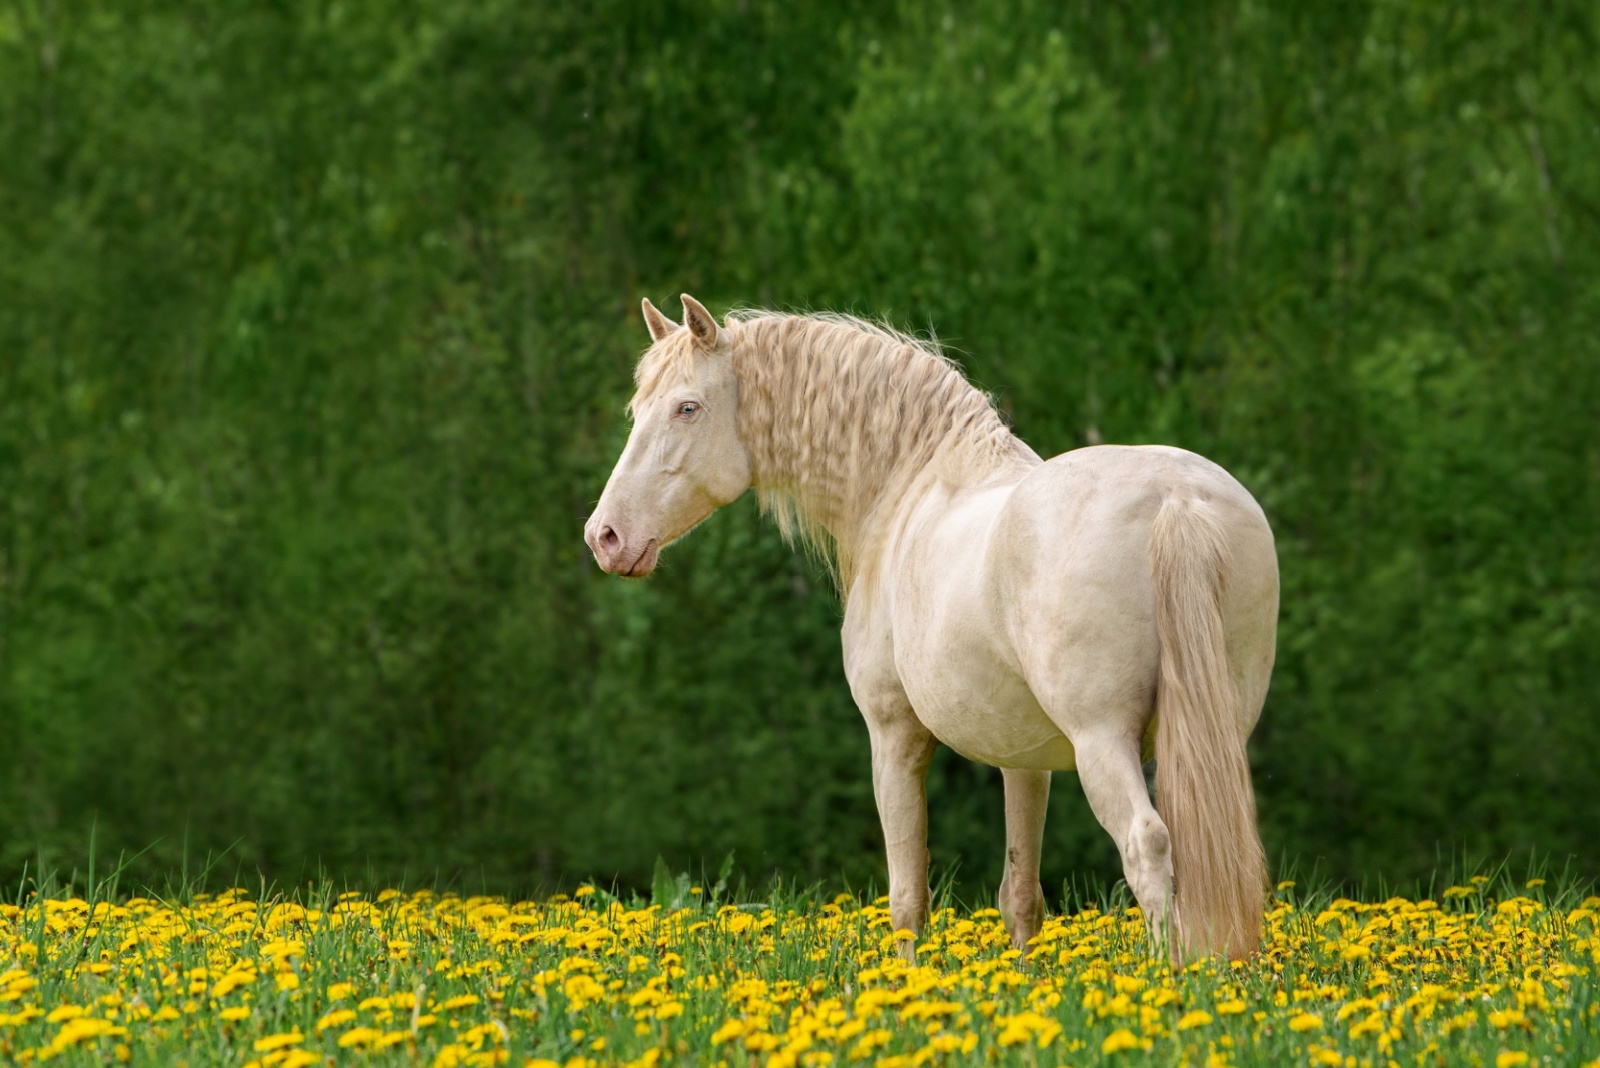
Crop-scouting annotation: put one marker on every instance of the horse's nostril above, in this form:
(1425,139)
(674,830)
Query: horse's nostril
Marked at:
(609,539)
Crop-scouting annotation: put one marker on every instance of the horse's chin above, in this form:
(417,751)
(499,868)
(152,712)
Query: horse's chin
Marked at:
(646,561)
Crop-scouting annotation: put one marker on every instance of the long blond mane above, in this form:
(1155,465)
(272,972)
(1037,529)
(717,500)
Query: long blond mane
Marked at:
(846,419)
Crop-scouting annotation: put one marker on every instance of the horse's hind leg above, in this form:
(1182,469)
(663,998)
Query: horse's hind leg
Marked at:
(1021,896)
(1113,781)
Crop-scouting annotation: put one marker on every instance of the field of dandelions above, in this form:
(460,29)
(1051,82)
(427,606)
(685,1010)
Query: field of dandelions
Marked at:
(1488,973)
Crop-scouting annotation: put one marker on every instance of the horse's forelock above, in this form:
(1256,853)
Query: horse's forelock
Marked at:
(668,360)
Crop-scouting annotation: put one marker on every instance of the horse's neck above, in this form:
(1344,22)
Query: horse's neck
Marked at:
(852,464)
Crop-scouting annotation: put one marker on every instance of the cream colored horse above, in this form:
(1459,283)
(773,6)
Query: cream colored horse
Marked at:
(1038,616)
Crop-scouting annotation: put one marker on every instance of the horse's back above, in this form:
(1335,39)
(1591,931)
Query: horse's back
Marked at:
(1091,510)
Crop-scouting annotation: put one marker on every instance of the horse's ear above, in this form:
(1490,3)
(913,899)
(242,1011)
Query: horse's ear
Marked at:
(699,321)
(660,326)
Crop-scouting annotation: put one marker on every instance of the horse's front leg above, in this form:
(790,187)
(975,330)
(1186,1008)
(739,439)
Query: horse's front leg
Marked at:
(901,751)
(1021,896)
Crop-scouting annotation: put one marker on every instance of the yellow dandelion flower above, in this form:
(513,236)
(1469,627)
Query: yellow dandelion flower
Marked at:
(231,982)
(1510,1059)
(235,1013)
(1305,1021)
(335,1018)
(1119,1040)
(359,1036)
(1196,1018)
(269,1043)
(452,1055)
(80,1028)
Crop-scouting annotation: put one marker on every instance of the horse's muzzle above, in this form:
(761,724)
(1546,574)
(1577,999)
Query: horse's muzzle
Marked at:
(615,556)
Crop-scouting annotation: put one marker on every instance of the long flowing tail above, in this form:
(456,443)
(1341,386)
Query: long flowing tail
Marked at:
(1203,788)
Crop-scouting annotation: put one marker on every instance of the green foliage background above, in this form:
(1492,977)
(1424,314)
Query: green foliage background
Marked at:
(316,322)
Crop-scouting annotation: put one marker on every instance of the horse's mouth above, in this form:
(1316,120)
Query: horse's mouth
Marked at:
(644,563)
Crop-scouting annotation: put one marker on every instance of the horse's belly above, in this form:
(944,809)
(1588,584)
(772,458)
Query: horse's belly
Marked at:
(1002,725)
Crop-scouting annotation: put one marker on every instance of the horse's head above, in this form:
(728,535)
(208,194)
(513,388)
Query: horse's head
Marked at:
(684,459)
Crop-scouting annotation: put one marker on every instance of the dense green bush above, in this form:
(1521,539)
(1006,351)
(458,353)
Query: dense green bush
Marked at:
(315,330)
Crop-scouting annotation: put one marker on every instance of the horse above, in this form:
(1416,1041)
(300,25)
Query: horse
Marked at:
(1081,613)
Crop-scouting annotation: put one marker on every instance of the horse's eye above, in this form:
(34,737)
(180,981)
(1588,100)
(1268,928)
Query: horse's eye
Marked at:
(688,408)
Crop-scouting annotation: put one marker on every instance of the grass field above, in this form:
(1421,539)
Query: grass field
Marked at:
(1488,973)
